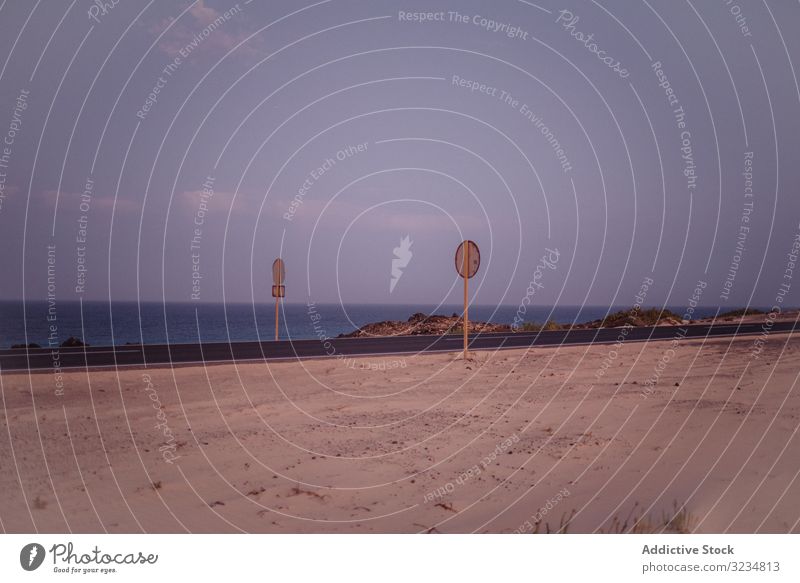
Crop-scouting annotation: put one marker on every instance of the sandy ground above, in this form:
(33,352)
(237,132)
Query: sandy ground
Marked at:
(414,443)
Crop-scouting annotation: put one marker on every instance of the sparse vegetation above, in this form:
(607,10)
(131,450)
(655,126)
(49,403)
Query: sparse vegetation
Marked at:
(740,313)
(563,525)
(677,521)
(647,317)
(421,324)
(536,327)
(635,317)
(297,491)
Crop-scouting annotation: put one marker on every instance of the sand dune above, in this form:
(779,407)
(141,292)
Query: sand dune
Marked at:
(517,440)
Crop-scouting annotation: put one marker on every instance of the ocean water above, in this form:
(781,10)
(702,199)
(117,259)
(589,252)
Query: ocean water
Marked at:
(118,323)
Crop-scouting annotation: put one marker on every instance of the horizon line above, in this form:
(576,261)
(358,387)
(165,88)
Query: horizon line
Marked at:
(421,304)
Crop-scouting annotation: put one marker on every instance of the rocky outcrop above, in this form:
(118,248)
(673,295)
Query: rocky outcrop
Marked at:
(635,317)
(437,325)
(420,324)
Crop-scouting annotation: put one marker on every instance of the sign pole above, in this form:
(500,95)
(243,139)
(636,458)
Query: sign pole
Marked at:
(467,266)
(277,315)
(466,298)
(278,290)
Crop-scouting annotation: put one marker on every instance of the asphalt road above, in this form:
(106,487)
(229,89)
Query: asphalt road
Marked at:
(131,355)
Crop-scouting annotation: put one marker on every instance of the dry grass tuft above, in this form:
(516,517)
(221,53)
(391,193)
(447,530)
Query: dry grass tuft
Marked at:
(677,521)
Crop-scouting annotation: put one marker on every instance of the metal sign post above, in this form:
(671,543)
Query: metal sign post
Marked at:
(466,300)
(468,260)
(278,289)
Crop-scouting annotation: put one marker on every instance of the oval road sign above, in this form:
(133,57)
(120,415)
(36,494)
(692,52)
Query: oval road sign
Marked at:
(474,259)
(278,272)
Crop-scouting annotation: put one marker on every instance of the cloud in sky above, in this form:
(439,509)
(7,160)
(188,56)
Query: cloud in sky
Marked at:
(194,200)
(204,30)
(70,202)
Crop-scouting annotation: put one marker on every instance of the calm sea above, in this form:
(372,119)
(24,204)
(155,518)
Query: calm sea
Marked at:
(117,323)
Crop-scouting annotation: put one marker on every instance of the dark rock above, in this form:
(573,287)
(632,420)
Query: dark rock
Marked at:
(418,317)
(31,345)
(73,342)
(636,317)
(419,323)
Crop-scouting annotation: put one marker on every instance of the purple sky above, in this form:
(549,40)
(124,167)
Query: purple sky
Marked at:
(663,146)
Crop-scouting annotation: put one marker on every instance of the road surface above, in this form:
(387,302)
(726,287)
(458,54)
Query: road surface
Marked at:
(155,354)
